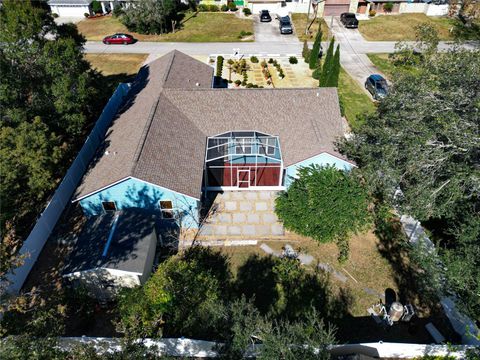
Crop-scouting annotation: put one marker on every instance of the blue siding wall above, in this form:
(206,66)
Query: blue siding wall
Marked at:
(321,160)
(137,193)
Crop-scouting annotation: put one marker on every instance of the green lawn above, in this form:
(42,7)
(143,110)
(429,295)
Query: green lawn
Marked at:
(386,66)
(355,100)
(300,23)
(116,64)
(401,27)
(201,27)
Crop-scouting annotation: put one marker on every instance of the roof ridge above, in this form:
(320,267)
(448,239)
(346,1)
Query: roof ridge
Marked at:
(151,115)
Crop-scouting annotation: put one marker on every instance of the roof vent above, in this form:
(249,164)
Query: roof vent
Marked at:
(318,94)
(197,84)
(107,152)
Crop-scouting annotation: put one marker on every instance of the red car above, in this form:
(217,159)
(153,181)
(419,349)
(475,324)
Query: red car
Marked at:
(119,39)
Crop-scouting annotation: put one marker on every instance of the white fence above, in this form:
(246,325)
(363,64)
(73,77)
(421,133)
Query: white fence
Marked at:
(37,238)
(462,324)
(207,349)
(427,9)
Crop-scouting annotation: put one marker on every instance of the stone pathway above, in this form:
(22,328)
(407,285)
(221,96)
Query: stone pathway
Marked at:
(237,215)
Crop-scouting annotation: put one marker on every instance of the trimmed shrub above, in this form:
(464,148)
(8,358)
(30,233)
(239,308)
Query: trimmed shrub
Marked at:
(219,66)
(213,8)
(86,15)
(249,85)
(202,7)
(270,61)
(293,60)
(254,59)
(96,7)
(306,52)
(317,73)
(388,7)
(238,82)
(232,6)
(224,7)
(372,13)
(230,61)
(263,64)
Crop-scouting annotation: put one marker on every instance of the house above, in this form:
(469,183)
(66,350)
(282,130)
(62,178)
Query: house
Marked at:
(177,138)
(78,8)
(113,250)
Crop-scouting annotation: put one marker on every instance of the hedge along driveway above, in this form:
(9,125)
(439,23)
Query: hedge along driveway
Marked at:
(200,27)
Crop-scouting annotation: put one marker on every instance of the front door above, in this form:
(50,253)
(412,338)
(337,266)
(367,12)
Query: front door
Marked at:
(243,178)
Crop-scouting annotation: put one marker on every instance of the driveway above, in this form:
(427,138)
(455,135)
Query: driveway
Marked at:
(270,32)
(357,64)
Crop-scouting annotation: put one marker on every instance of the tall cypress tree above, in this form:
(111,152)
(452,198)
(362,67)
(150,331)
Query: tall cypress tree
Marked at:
(335,69)
(327,65)
(315,50)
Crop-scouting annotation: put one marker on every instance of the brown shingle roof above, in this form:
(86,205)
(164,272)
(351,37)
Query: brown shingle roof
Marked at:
(167,133)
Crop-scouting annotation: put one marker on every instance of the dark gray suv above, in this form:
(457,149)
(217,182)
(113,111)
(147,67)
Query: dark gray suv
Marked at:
(285,25)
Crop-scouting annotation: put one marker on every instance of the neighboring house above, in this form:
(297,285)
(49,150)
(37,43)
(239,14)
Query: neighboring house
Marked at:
(176,139)
(77,8)
(113,250)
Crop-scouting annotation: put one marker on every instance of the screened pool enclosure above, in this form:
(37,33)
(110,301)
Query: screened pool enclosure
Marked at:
(243,159)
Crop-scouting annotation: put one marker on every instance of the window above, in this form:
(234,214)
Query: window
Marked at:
(271,146)
(109,206)
(244,146)
(166,207)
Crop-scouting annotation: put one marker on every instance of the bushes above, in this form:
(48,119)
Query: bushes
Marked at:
(203,8)
(224,7)
(293,60)
(372,13)
(219,66)
(86,15)
(253,59)
(237,82)
(388,7)
(96,7)
(314,54)
(213,8)
(117,11)
(232,6)
(306,52)
(244,33)
(247,12)
(326,204)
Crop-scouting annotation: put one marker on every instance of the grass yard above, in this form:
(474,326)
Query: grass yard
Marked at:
(116,64)
(401,27)
(201,27)
(386,66)
(300,23)
(354,100)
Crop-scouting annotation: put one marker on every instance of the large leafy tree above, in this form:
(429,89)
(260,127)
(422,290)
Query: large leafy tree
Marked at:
(325,204)
(152,16)
(183,298)
(421,153)
(45,98)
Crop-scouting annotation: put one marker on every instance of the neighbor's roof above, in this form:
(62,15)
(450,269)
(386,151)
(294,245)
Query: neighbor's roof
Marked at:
(69,2)
(132,239)
(160,135)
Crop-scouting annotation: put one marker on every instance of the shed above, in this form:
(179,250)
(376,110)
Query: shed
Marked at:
(113,250)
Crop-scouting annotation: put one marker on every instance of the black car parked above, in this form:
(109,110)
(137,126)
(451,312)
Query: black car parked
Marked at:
(349,20)
(265,16)
(285,25)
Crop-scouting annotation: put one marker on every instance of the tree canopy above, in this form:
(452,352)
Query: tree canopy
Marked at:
(151,16)
(47,93)
(420,153)
(325,204)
